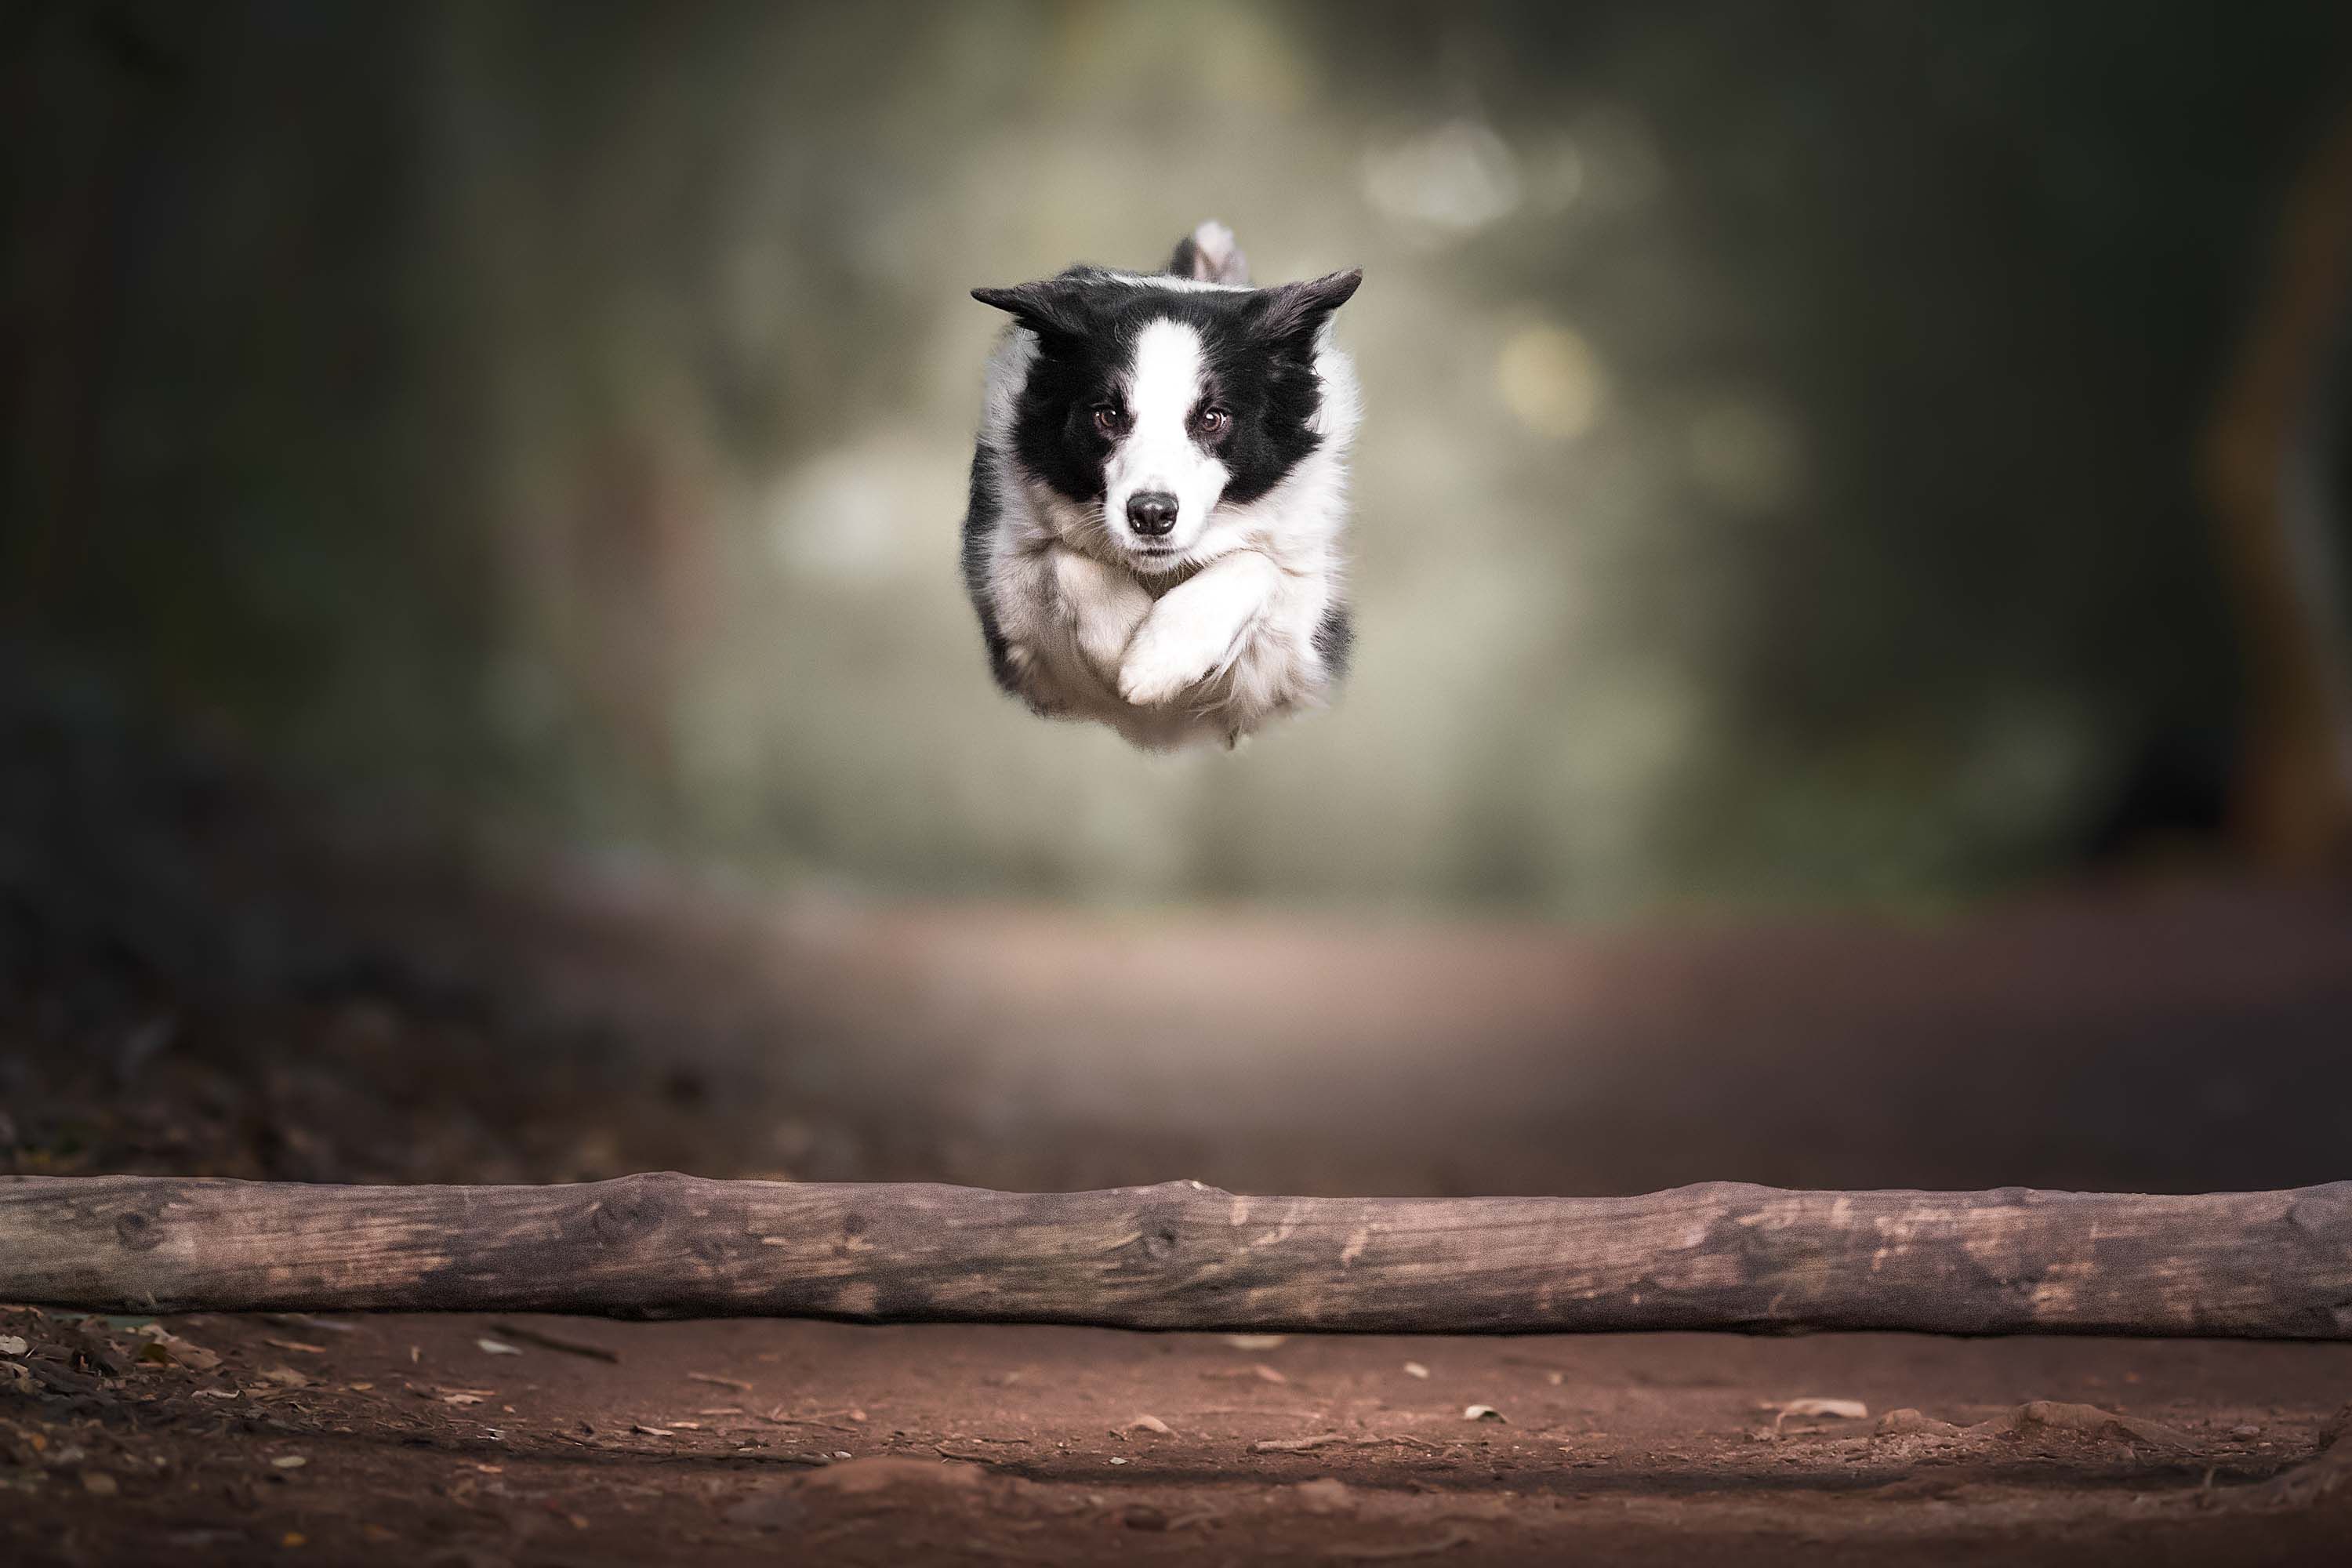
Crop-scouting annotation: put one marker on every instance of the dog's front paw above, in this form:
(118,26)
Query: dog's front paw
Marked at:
(1158,669)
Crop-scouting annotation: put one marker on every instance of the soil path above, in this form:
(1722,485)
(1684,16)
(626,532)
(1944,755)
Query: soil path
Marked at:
(188,989)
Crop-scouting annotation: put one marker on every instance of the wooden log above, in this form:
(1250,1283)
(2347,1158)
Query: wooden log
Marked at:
(1182,1256)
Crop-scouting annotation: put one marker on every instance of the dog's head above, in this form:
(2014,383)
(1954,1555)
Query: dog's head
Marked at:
(1163,400)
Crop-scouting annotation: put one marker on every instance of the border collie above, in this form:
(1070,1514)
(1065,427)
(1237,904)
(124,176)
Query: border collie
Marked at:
(1158,496)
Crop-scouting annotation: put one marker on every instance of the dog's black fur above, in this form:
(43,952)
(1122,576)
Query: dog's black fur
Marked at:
(1261,348)
(1262,359)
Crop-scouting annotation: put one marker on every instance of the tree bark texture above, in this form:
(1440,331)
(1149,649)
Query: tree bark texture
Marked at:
(1721,1255)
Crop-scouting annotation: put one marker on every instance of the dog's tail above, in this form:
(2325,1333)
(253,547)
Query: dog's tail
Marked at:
(1209,255)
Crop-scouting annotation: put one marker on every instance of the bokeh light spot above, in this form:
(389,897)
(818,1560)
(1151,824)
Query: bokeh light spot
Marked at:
(1547,377)
(1460,176)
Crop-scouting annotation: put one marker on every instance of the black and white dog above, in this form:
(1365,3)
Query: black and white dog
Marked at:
(1158,493)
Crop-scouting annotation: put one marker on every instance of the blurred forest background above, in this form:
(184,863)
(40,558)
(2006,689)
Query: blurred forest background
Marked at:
(1780,479)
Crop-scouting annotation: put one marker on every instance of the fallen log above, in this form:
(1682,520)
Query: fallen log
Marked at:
(1722,1256)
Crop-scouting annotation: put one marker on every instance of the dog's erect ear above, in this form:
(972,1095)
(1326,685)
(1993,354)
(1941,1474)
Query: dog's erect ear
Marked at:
(1049,309)
(1295,313)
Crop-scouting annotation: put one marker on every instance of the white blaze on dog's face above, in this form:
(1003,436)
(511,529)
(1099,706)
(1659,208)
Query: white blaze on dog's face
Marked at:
(1164,478)
(1149,411)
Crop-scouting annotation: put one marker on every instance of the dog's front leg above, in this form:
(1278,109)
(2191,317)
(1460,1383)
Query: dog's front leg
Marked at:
(1194,630)
(1103,605)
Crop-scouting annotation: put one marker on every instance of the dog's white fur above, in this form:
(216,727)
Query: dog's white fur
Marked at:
(1158,452)
(1213,640)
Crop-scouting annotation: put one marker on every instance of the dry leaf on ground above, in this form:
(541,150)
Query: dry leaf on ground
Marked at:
(1297,1445)
(1836,1409)
(524,1334)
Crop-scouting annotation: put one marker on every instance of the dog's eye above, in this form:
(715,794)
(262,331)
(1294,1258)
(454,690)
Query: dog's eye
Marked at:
(1212,421)
(1109,417)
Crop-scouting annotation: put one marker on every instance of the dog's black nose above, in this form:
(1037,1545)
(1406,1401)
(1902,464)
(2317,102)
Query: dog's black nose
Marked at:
(1151,514)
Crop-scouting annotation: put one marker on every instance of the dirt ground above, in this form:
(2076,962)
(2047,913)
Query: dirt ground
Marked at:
(395,1439)
(193,977)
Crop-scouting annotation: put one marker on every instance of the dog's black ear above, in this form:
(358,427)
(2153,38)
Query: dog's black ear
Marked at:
(1295,313)
(1048,309)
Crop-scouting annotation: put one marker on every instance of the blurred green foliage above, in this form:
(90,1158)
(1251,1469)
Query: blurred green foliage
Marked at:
(1775,480)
